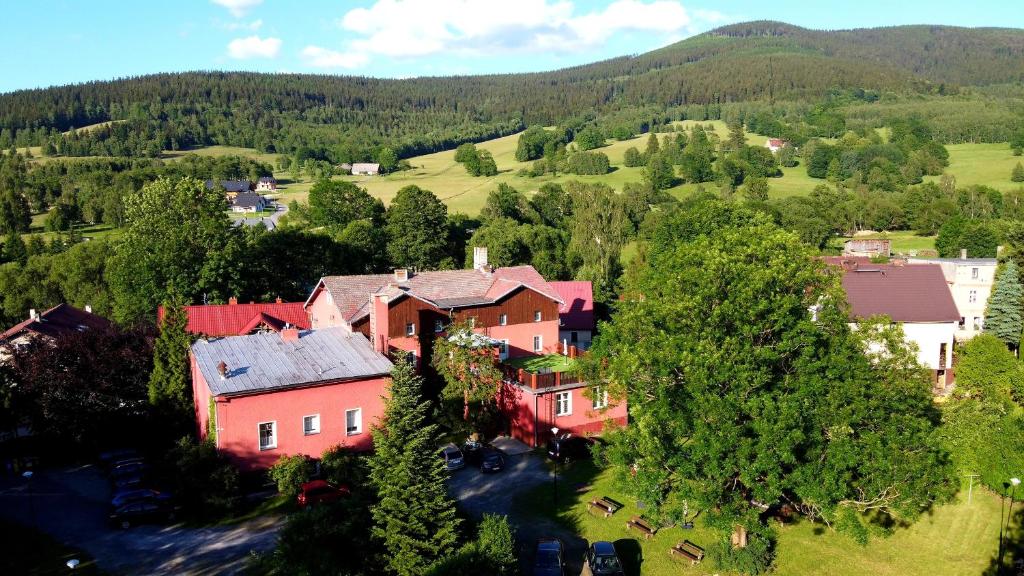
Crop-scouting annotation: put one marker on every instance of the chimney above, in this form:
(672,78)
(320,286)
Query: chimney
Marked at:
(290,334)
(233,301)
(223,369)
(379,325)
(278,300)
(479,257)
(88,308)
(32,314)
(963,253)
(401,274)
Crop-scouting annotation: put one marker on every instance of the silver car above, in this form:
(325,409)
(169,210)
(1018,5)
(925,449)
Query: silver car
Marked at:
(453,458)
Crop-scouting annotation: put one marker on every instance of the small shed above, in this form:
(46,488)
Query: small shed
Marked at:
(365,169)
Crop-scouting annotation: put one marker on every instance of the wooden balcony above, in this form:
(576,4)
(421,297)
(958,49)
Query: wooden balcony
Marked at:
(540,372)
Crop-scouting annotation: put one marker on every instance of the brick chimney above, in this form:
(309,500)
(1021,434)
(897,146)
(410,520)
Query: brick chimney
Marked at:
(233,301)
(401,275)
(222,368)
(963,253)
(290,334)
(278,299)
(479,257)
(379,325)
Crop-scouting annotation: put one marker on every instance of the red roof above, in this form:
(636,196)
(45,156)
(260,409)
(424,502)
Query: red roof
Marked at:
(905,293)
(59,320)
(577,309)
(238,319)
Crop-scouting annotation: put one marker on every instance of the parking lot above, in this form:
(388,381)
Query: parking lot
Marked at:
(71,505)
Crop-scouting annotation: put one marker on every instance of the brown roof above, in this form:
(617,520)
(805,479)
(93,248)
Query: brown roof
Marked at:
(59,320)
(910,293)
(443,288)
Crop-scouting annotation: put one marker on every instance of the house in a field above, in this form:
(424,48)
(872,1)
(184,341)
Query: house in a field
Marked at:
(247,202)
(970,282)
(869,247)
(774,144)
(916,296)
(266,184)
(575,313)
(50,325)
(365,169)
(269,394)
(234,319)
(513,307)
(231,188)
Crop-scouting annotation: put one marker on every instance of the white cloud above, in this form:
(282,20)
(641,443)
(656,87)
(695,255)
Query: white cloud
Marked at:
(410,28)
(254,47)
(254,25)
(238,8)
(318,57)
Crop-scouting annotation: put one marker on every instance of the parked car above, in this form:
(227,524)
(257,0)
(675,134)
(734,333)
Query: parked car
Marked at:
(111,457)
(321,492)
(602,561)
(491,460)
(452,456)
(124,497)
(126,467)
(549,559)
(567,446)
(472,450)
(143,511)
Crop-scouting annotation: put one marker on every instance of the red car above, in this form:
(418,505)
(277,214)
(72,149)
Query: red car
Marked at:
(320,492)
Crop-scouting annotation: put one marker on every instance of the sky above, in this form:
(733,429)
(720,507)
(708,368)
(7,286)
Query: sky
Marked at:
(50,42)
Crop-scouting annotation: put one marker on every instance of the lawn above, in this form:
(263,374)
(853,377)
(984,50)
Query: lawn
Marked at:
(28,552)
(547,363)
(958,538)
(903,242)
(987,164)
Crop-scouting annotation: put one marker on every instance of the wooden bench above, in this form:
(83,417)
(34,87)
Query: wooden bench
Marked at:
(645,527)
(688,550)
(605,505)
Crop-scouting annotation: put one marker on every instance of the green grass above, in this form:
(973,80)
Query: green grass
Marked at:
(28,552)
(903,242)
(957,538)
(986,164)
(546,363)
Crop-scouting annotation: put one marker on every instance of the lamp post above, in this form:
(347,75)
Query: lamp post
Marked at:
(554,469)
(27,475)
(1014,482)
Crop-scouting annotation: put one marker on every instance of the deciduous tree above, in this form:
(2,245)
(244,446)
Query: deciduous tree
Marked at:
(417,229)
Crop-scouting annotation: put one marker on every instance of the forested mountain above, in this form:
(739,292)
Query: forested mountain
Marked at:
(350,118)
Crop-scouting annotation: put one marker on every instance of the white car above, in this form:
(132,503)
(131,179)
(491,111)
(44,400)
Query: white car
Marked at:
(453,458)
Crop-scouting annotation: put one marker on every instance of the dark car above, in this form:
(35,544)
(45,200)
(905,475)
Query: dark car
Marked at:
(124,497)
(127,467)
(602,560)
(453,458)
(567,446)
(472,451)
(549,561)
(112,457)
(320,492)
(491,460)
(143,511)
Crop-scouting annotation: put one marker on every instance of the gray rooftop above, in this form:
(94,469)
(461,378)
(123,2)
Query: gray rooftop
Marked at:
(960,261)
(261,362)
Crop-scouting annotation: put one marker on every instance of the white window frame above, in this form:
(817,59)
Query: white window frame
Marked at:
(600,397)
(974,273)
(538,343)
(972,296)
(314,431)
(537,316)
(979,323)
(410,329)
(567,398)
(359,423)
(259,435)
(438,326)
(502,319)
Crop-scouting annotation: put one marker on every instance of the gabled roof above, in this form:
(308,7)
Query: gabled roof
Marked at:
(445,289)
(577,309)
(905,293)
(59,320)
(248,199)
(266,179)
(236,319)
(365,167)
(267,362)
(230,185)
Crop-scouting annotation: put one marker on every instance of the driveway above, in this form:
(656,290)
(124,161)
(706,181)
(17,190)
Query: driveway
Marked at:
(70,504)
(495,493)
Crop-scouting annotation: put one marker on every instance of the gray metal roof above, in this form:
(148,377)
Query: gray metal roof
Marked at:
(261,362)
(961,261)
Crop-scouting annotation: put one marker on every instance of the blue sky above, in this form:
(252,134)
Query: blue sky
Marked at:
(65,41)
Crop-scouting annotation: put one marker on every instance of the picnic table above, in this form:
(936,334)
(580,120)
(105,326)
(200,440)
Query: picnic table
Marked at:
(604,505)
(645,527)
(689,551)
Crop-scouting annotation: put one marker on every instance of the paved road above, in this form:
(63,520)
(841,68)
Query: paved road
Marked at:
(70,504)
(479,493)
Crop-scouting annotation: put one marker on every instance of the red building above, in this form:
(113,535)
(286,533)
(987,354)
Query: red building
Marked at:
(576,313)
(234,319)
(269,394)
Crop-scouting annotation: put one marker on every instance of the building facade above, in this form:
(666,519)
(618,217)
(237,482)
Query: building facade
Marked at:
(970,282)
(576,313)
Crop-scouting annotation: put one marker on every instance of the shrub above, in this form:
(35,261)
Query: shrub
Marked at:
(340,465)
(588,163)
(632,158)
(290,473)
(203,480)
(756,558)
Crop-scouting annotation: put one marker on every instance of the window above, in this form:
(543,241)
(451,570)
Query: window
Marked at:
(538,343)
(502,319)
(354,421)
(410,329)
(977,323)
(438,326)
(311,424)
(503,349)
(268,435)
(961,324)
(600,397)
(574,337)
(563,403)
(974,273)
(472,321)
(972,296)
(536,316)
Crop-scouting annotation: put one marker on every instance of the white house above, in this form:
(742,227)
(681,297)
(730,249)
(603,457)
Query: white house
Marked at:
(248,202)
(365,169)
(918,297)
(774,144)
(970,282)
(266,184)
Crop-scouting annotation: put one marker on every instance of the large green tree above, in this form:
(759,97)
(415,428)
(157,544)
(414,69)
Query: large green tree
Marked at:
(738,392)
(1003,317)
(414,517)
(335,203)
(170,382)
(417,229)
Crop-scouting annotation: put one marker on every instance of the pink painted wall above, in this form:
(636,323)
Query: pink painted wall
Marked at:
(518,405)
(520,337)
(238,419)
(324,314)
(200,399)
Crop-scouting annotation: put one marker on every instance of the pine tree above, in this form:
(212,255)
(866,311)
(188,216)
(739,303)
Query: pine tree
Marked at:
(415,518)
(1018,173)
(14,249)
(652,146)
(169,382)
(1003,317)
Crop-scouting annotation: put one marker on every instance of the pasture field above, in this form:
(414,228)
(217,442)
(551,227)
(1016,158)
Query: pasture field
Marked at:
(903,242)
(986,164)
